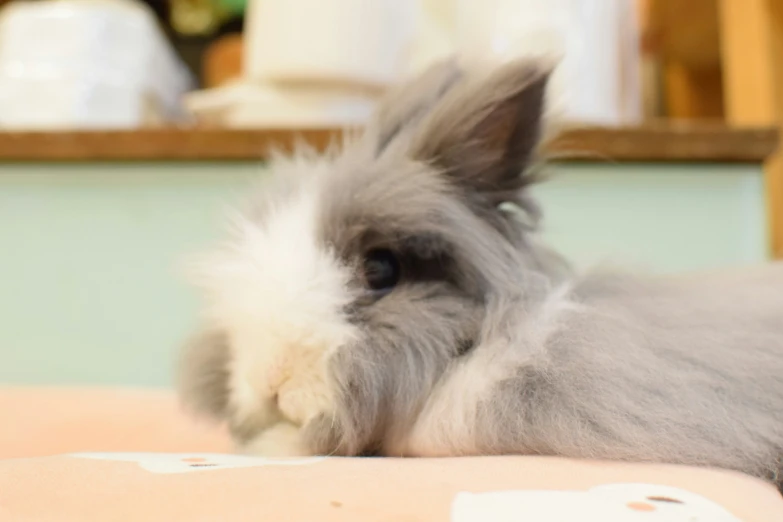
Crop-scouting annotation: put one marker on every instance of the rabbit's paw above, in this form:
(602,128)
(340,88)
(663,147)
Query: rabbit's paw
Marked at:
(281,440)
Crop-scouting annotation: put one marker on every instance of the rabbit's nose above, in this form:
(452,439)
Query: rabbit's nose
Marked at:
(275,402)
(274,406)
(277,375)
(275,380)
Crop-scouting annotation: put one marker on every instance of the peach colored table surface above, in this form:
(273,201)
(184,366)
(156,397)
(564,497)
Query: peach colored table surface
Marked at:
(132,455)
(48,421)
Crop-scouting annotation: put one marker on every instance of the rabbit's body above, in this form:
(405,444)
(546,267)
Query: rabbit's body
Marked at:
(668,369)
(386,300)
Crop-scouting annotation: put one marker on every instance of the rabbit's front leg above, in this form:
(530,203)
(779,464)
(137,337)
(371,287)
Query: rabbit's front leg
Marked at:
(448,424)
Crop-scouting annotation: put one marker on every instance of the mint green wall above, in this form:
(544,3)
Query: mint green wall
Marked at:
(89,291)
(657,217)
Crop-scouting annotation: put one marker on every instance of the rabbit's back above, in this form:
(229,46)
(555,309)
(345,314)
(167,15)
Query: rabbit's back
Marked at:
(684,370)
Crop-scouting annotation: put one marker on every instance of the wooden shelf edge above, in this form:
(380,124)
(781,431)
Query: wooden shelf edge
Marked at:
(666,143)
(652,143)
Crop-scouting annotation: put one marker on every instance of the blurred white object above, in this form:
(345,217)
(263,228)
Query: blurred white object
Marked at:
(314,63)
(434,37)
(605,503)
(595,41)
(86,64)
(336,41)
(267,105)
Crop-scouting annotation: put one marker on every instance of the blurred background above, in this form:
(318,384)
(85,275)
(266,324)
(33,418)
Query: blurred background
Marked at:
(128,126)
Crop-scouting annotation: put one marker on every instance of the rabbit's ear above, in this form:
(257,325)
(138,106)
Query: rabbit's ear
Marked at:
(484,132)
(204,374)
(406,104)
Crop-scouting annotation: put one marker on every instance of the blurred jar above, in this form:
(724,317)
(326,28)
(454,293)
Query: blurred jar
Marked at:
(336,41)
(595,42)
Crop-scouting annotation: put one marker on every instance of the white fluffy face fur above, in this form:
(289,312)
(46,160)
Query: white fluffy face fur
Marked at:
(279,296)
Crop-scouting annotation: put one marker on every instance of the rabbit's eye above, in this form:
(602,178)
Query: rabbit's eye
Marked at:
(381,270)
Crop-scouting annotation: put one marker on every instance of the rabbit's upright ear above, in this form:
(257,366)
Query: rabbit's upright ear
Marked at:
(203,377)
(484,133)
(405,105)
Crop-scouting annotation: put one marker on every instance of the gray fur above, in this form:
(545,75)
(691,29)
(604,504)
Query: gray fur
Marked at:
(408,102)
(203,373)
(606,364)
(686,370)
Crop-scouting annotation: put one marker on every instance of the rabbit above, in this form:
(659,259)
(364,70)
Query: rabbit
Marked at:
(392,297)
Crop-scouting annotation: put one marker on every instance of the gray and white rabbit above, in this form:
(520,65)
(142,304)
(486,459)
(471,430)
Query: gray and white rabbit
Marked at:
(382,300)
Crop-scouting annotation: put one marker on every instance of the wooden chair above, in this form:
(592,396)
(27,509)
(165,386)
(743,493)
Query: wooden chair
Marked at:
(723,59)
(752,60)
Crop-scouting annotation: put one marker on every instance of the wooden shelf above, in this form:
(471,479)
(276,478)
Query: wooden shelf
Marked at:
(652,143)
